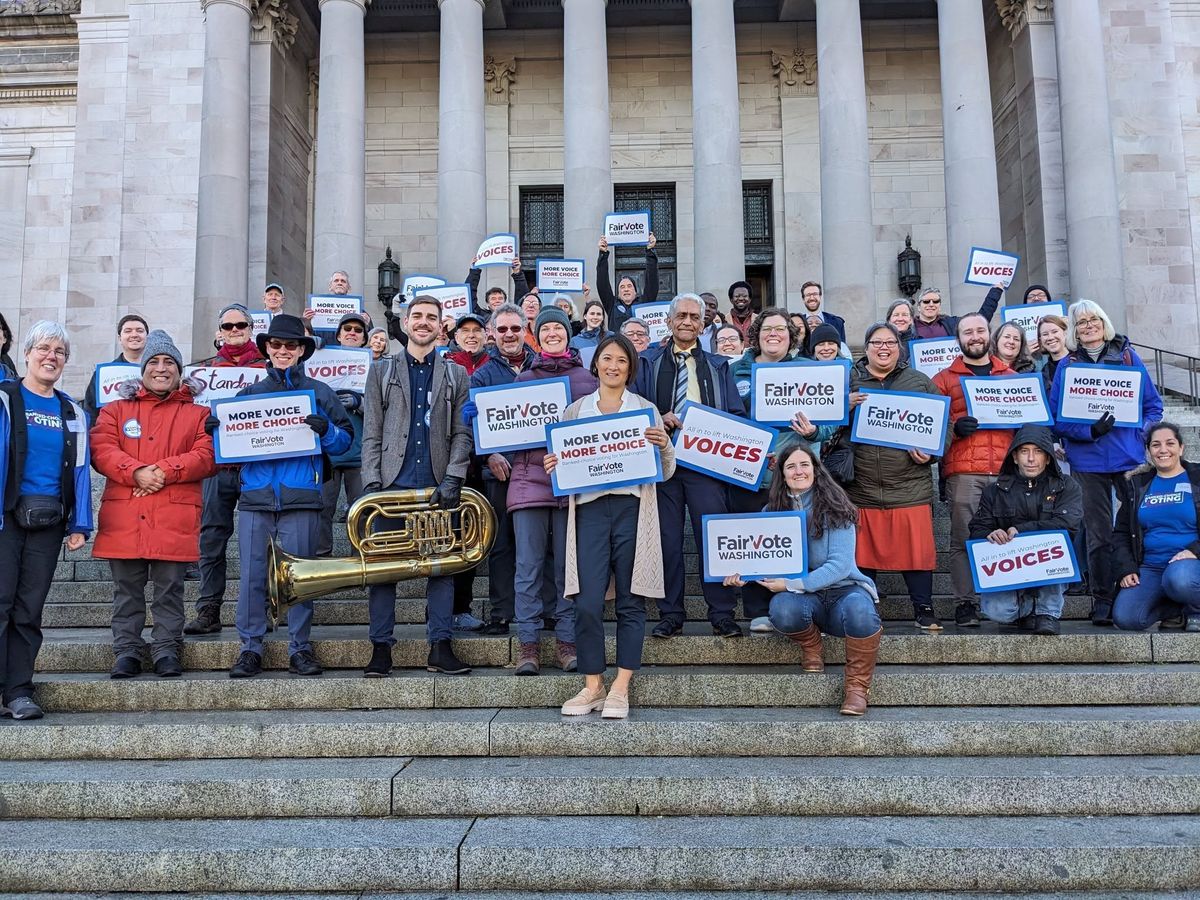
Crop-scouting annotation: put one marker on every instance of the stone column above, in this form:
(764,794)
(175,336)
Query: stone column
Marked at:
(462,188)
(1089,164)
(222,204)
(339,193)
(972,189)
(796,76)
(720,241)
(847,234)
(587,158)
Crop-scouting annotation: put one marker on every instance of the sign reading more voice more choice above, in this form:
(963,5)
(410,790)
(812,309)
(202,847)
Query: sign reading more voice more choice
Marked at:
(1088,392)
(627,228)
(328,309)
(1007,401)
(931,355)
(221,382)
(560,275)
(655,317)
(496,250)
(1032,559)
(109,376)
(1029,316)
(902,420)
(515,416)
(722,446)
(603,452)
(820,390)
(755,545)
(990,267)
(265,426)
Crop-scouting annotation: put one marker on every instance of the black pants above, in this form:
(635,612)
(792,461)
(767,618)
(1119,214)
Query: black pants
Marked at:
(606,538)
(1098,523)
(221,493)
(696,495)
(27,561)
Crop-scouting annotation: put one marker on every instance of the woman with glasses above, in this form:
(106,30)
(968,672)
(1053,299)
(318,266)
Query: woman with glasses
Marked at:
(893,489)
(728,342)
(1101,452)
(46,486)
(931,323)
(1009,344)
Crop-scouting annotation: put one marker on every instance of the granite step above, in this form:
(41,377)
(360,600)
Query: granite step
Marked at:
(777,732)
(608,895)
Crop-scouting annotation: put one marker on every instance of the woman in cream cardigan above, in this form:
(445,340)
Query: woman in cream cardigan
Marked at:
(613,535)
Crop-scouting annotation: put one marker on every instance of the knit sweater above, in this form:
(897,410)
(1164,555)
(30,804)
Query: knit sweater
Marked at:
(830,560)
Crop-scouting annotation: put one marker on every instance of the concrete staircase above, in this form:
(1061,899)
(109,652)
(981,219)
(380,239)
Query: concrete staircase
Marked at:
(991,761)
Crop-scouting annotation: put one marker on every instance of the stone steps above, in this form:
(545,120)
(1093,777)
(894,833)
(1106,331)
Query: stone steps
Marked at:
(604,895)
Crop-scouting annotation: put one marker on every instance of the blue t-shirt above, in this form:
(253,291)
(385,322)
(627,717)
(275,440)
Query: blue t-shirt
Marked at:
(43,461)
(1168,519)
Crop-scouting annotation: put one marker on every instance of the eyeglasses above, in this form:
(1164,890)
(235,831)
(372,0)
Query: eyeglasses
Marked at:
(728,339)
(234,326)
(635,332)
(508,329)
(283,345)
(353,329)
(1080,323)
(881,345)
(773,329)
(47,350)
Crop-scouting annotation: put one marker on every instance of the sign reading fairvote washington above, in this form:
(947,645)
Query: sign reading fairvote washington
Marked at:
(1029,560)
(755,545)
(265,426)
(515,416)
(902,420)
(820,390)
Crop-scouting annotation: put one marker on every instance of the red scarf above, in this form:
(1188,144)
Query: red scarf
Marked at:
(241,355)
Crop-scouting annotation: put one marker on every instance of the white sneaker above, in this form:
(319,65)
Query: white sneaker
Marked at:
(584,702)
(761,625)
(22,708)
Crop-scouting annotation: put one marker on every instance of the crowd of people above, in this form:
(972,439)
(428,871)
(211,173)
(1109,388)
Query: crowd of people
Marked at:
(1128,494)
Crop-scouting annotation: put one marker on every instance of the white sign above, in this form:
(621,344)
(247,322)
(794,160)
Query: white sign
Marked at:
(820,390)
(1030,316)
(560,275)
(627,228)
(722,446)
(455,299)
(1007,401)
(109,376)
(1088,392)
(603,452)
(265,426)
(413,285)
(931,355)
(496,250)
(655,317)
(755,545)
(342,368)
(221,382)
(1029,560)
(902,420)
(262,322)
(328,309)
(515,416)
(990,267)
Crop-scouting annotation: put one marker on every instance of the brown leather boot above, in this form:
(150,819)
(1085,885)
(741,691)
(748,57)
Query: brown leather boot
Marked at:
(861,654)
(812,658)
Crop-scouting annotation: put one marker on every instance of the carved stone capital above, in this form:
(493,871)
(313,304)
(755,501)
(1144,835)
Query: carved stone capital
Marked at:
(498,76)
(1016,14)
(795,72)
(272,22)
(39,7)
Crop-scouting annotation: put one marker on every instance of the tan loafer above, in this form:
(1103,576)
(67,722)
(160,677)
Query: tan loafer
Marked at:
(615,707)
(584,702)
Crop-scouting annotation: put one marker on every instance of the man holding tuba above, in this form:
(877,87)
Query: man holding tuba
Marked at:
(414,437)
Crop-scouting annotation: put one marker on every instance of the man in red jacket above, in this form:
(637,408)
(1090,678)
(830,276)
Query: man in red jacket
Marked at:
(974,457)
(152,448)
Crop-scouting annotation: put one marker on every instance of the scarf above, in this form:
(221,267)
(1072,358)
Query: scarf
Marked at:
(241,355)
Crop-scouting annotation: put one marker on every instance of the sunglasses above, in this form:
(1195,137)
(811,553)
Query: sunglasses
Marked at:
(508,329)
(283,345)
(234,326)
(353,329)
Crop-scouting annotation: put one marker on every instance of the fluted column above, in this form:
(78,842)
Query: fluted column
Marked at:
(847,234)
(222,200)
(972,189)
(719,234)
(587,158)
(339,188)
(1089,164)
(462,185)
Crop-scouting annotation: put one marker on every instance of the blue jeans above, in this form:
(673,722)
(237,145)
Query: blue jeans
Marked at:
(1158,595)
(846,611)
(1006,607)
(540,532)
(295,531)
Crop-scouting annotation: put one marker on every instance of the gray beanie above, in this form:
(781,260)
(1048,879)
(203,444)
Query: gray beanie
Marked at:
(551,314)
(239,307)
(159,343)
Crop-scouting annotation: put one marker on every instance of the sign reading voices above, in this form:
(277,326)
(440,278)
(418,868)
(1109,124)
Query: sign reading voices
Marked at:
(109,376)
(267,426)
(902,421)
(820,390)
(220,382)
(1007,401)
(560,275)
(1029,560)
(342,368)
(496,250)
(627,228)
(603,452)
(455,299)
(727,447)
(328,309)
(755,545)
(931,355)
(989,268)
(1088,392)
(515,416)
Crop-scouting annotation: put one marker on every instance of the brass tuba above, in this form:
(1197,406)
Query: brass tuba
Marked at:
(420,540)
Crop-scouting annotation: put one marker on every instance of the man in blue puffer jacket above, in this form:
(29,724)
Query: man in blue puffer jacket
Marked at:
(281,498)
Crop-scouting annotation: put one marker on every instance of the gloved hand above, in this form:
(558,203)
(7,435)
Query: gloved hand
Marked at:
(448,493)
(1103,426)
(319,424)
(469,412)
(211,424)
(373,488)
(966,426)
(350,400)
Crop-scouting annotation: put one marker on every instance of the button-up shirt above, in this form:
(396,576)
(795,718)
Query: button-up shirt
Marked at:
(417,470)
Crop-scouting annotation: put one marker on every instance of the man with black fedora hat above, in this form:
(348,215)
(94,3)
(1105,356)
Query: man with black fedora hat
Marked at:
(281,498)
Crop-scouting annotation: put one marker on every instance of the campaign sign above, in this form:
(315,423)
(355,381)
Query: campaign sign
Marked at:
(455,299)
(1028,316)
(990,267)
(755,545)
(655,317)
(221,382)
(902,420)
(1088,392)
(627,228)
(413,284)
(109,375)
(265,426)
(931,355)
(1007,401)
(560,275)
(328,309)
(726,447)
(1032,559)
(820,390)
(496,250)
(342,368)
(603,452)
(261,322)
(515,416)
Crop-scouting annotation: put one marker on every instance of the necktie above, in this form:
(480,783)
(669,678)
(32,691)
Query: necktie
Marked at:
(681,381)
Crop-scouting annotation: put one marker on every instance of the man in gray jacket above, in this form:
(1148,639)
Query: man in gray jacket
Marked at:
(414,437)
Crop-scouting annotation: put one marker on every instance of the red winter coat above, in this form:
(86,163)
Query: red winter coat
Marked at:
(984,452)
(140,431)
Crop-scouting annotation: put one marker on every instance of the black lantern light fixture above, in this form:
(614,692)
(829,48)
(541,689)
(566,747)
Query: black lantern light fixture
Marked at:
(389,279)
(908,263)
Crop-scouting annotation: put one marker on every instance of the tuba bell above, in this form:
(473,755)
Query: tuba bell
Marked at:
(395,535)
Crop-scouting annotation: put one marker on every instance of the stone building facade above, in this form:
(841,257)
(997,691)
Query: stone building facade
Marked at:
(168,156)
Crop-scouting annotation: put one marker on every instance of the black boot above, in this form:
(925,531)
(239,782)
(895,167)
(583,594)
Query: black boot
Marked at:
(248,665)
(380,665)
(207,621)
(442,659)
(304,663)
(1101,611)
(126,667)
